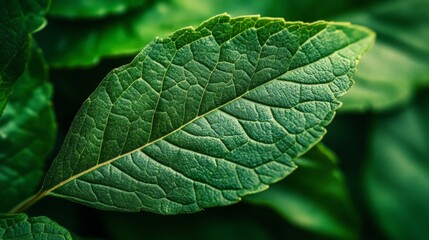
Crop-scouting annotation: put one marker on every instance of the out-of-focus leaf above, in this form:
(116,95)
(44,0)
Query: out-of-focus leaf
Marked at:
(18,19)
(91,9)
(298,10)
(83,43)
(27,134)
(21,227)
(397,176)
(314,197)
(206,115)
(398,65)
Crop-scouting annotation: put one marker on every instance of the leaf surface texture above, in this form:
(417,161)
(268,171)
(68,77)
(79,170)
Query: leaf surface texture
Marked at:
(20,226)
(207,115)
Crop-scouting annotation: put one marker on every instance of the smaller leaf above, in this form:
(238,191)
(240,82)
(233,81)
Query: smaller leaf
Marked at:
(314,197)
(18,19)
(27,133)
(19,226)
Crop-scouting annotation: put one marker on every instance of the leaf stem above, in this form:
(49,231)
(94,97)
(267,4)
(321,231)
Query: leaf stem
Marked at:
(24,205)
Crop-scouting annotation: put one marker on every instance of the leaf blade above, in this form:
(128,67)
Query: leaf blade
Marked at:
(19,226)
(27,133)
(203,141)
(17,21)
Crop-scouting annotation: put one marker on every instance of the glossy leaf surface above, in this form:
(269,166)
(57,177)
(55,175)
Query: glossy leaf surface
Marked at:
(207,115)
(27,134)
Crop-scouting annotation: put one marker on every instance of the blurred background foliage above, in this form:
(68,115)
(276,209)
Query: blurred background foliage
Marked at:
(375,186)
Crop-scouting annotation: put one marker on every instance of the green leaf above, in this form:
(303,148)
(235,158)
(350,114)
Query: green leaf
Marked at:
(397,176)
(398,65)
(314,197)
(83,43)
(91,9)
(27,134)
(206,115)
(17,20)
(21,227)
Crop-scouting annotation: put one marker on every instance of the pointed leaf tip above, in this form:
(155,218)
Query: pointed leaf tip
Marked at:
(206,115)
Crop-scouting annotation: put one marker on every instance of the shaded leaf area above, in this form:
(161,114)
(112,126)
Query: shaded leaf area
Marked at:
(27,134)
(20,226)
(80,221)
(353,151)
(18,19)
(229,228)
(314,197)
(72,9)
(250,95)
(240,221)
(84,43)
(397,173)
(398,65)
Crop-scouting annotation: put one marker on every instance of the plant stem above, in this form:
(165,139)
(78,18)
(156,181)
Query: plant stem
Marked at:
(24,205)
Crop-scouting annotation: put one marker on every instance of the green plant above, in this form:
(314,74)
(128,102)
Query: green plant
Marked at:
(201,118)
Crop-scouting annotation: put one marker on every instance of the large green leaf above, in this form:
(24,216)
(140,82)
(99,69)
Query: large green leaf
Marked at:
(83,43)
(91,9)
(206,115)
(18,19)
(27,134)
(314,197)
(21,227)
(397,176)
(398,65)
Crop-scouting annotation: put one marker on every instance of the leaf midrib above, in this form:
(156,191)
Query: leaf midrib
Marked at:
(95,167)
